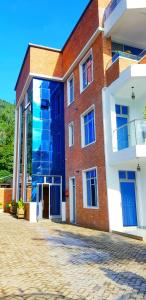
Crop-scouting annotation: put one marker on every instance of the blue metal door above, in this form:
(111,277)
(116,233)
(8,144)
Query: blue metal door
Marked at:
(128,203)
(55,200)
(122,133)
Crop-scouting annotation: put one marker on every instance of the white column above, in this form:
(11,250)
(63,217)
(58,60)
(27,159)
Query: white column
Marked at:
(25,153)
(141,202)
(15,152)
(18,152)
(112,177)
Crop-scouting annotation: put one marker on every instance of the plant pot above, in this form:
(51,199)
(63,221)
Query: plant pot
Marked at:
(20,213)
(13,209)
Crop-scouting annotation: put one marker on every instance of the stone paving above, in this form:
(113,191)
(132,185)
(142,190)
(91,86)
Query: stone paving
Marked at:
(58,261)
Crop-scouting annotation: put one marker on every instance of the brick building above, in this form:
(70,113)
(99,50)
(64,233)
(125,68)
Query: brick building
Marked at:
(72,151)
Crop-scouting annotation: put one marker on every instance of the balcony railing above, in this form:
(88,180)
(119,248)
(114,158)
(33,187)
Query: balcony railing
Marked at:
(110,8)
(122,54)
(131,134)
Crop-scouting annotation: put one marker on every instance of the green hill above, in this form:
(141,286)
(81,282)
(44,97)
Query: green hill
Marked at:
(7,123)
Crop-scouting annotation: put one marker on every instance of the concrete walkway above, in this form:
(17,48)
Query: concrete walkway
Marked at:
(54,261)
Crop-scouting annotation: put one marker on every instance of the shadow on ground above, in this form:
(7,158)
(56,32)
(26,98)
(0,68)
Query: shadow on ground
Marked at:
(36,296)
(96,249)
(130,279)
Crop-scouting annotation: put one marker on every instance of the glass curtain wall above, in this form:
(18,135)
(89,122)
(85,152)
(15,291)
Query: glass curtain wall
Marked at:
(48,149)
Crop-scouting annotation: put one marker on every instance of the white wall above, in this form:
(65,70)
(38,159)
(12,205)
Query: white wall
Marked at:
(112,177)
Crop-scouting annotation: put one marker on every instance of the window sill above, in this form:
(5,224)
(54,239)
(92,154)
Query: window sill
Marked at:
(85,146)
(70,103)
(92,207)
(84,89)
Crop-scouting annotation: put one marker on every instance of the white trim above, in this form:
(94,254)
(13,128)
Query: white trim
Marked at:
(15,158)
(71,68)
(69,102)
(25,149)
(92,107)
(90,52)
(84,186)
(71,131)
(83,51)
(43,76)
(44,47)
(18,152)
(71,198)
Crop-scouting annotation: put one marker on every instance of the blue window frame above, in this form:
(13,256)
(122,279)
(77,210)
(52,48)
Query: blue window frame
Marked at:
(91,188)
(89,128)
(71,90)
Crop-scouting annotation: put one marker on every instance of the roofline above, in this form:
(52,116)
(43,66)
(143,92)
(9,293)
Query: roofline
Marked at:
(49,48)
(76,24)
(44,47)
(34,46)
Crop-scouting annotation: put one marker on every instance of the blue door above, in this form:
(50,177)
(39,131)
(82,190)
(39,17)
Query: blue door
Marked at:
(122,132)
(55,209)
(128,203)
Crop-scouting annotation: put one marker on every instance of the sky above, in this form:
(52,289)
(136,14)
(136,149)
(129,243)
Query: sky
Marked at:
(43,22)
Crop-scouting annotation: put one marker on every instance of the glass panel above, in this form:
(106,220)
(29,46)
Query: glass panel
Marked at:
(131,175)
(118,111)
(89,128)
(55,200)
(48,147)
(91,184)
(122,174)
(125,110)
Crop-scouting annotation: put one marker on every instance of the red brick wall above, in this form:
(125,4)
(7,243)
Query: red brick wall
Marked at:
(113,72)
(143,61)
(93,155)
(5,197)
(85,29)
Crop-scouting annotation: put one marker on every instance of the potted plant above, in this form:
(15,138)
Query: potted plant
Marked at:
(13,207)
(20,209)
(1,207)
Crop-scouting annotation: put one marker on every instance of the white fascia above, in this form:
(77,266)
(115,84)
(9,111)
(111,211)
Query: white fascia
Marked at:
(132,71)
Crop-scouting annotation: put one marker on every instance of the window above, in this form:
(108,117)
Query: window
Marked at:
(70,89)
(71,134)
(90,189)
(86,71)
(45,97)
(88,127)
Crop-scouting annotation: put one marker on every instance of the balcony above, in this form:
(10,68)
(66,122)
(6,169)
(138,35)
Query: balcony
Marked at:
(129,144)
(131,134)
(120,61)
(125,22)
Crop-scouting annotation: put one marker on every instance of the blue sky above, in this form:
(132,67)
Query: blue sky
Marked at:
(44,22)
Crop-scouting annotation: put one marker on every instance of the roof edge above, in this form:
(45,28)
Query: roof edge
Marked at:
(49,48)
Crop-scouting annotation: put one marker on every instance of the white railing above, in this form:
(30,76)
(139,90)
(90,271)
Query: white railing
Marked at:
(131,134)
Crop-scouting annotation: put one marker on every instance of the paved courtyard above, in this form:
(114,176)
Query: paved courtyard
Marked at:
(55,261)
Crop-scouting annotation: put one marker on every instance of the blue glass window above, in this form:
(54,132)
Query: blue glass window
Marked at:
(89,128)
(131,175)
(91,188)
(118,110)
(122,174)
(71,90)
(87,76)
(125,110)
